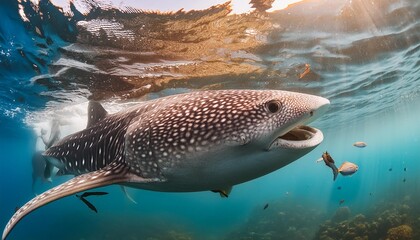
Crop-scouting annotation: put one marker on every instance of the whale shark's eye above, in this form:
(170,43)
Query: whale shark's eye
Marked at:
(273,106)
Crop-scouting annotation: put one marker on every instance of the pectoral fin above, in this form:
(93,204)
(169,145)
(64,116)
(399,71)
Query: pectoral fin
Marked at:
(224,193)
(111,174)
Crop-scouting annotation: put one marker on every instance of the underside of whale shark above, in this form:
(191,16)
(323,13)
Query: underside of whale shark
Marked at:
(199,141)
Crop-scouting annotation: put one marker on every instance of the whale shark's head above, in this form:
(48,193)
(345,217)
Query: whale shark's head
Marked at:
(223,137)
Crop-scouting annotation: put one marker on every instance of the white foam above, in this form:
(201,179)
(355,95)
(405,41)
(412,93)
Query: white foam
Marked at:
(72,117)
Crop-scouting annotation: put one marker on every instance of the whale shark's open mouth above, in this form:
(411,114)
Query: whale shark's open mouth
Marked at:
(299,137)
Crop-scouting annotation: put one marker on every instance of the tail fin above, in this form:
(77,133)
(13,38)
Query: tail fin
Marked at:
(335,170)
(113,173)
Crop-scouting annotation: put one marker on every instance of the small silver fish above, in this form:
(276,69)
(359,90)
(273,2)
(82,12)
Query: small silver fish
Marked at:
(348,168)
(360,144)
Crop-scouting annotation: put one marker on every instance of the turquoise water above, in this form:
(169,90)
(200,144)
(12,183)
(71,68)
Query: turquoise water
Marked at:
(364,57)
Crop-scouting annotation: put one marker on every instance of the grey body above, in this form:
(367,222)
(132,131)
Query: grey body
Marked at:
(189,142)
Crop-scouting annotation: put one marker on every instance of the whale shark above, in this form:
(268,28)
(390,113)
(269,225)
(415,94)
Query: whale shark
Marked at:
(197,141)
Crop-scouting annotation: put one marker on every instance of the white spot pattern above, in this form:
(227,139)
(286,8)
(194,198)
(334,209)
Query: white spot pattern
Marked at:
(162,133)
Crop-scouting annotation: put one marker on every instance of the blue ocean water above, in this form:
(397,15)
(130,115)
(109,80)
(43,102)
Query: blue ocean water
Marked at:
(363,56)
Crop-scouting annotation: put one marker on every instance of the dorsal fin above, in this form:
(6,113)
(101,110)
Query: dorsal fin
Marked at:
(95,113)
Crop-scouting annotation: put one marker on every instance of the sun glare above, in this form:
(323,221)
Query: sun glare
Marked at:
(281,4)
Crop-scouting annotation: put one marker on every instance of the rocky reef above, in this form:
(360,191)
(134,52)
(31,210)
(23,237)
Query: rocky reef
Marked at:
(388,221)
(403,232)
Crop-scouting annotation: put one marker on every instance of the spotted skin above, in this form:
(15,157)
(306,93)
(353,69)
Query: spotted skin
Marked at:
(198,141)
(93,148)
(197,122)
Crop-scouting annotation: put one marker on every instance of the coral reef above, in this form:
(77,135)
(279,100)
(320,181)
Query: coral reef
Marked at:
(355,228)
(387,221)
(402,232)
(342,213)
